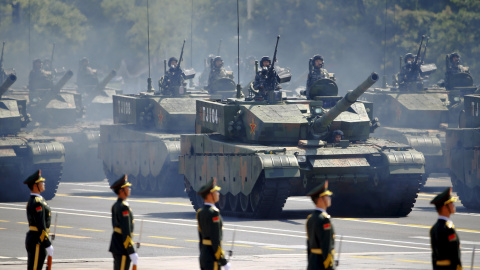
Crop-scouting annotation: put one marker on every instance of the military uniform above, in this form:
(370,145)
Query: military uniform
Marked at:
(320,234)
(210,225)
(39,78)
(39,217)
(174,79)
(315,75)
(86,76)
(443,238)
(121,245)
(216,73)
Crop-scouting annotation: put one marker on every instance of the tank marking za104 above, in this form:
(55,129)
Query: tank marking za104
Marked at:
(124,107)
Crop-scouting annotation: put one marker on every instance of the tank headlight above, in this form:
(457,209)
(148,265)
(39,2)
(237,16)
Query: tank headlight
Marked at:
(301,158)
(457,99)
(318,110)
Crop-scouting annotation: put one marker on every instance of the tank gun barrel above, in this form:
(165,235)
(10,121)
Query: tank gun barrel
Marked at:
(7,83)
(106,80)
(320,125)
(61,83)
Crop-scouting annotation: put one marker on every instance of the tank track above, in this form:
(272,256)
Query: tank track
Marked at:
(265,201)
(398,195)
(469,197)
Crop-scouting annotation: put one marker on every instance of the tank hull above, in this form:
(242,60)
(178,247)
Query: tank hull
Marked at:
(150,159)
(257,179)
(20,156)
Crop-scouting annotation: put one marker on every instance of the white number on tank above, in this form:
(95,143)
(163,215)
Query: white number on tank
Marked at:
(210,115)
(124,107)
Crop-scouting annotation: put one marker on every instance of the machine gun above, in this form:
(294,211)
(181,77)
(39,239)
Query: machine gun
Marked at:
(181,56)
(3,76)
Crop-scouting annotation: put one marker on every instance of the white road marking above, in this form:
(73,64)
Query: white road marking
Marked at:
(89,190)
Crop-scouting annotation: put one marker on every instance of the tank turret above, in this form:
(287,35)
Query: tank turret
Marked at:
(262,152)
(13,115)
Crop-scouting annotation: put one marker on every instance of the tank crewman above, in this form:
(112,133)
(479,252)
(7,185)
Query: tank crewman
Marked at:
(443,238)
(210,225)
(37,241)
(320,233)
(217,71)
(174,78)
(455,66)
(203,79)
(121,245)
(86,75)
(266,80)
(39,78)
(337,136)
(408,74)
(316,72)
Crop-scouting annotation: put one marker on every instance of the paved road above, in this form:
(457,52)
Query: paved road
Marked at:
(170,238)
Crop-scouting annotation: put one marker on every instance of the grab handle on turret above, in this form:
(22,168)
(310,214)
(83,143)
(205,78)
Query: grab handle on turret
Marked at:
(7,83)
(321,124)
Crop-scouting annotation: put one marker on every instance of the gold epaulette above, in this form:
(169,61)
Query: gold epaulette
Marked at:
(125,203)
(325,215)
(38,199)
(450,225)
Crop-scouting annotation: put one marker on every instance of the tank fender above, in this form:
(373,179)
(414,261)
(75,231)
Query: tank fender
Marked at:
(47,152)
(161,152)
(405,162)
(279,166)
(426,144)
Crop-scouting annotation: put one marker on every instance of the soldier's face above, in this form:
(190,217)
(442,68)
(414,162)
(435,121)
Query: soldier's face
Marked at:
(451,208)
(455,60)
(38,65)
(218,63)
(318,62)
(127,191)
(216,196)
(265,63)
(41,186)
(173,64)
(327,200)
(338,138)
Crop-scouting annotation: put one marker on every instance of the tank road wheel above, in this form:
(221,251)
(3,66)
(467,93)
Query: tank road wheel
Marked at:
(53,174)
(195,199)
(268,197)
(153,182)
(244,202)
(399,195)
(223,202)
(143,183)
(233,202)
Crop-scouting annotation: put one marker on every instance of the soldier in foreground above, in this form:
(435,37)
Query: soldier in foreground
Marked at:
(86,75)
(316,71)
(173,79)
(39,78)
(121,245)
(37,241)
(320,233)
(210,225)
(455,66)
(409,72)
(443,238)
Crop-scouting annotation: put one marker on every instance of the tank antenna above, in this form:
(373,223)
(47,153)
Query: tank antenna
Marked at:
(191,38)
(384,81)
(149,80)
(239,87)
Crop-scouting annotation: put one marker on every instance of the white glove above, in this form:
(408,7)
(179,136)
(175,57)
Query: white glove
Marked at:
(227,266)
(50,250)
(134,258)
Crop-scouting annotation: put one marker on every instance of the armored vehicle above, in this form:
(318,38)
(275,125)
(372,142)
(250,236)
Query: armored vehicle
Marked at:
(262,151)
(463,154)
(22,153)
(56,113)
(417,115)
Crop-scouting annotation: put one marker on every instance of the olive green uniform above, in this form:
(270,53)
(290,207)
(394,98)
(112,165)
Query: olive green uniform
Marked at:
(39,217)
(320,241)
(210,225)
(121,245)
(445,246)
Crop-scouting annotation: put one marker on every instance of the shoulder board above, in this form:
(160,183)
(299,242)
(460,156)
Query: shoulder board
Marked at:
(38,199)
(125,203)
(449,225)
(325,215)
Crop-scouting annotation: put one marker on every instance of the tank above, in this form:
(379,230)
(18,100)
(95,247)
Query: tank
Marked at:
(98,99)
(463,154)
(144,139)
(59,113)
(262,152)
(23,153)
(418,115)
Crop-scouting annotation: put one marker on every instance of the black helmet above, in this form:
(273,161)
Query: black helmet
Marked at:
(37,60)
(408,55)
(454,54)
(171,60)
(337,132)
(265,58)
(317,57)
(217,58)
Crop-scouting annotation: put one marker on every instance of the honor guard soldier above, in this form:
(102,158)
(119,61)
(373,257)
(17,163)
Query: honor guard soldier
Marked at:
(320,233)
(121,245)
(37,241)
(210,225)
(443,238)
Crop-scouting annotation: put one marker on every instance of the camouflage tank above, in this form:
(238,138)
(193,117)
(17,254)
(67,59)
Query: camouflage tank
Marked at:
(56,112)
(463,154)
(22,153)
(417,115)
(262,152)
